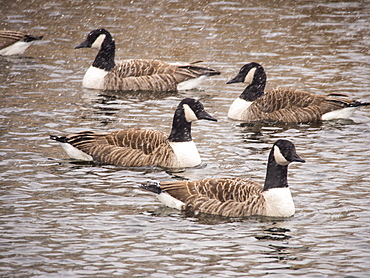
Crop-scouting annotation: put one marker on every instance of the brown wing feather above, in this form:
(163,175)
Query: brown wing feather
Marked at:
(131,147)
(335,102)
(141,67)
(151,75)
(154,83)
(288,105)
(233,197)
(9,37)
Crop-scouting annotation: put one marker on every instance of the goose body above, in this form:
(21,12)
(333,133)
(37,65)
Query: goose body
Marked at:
(15,43)
(137,74)
(285,105)
(136,147)
(236,197)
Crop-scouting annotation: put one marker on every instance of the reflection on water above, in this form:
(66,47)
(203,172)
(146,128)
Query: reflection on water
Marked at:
(65,218)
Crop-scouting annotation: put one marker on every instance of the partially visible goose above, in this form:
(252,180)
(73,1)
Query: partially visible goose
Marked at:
(285,105)
(236,197)
(15,43)
(142,147)
(137,75)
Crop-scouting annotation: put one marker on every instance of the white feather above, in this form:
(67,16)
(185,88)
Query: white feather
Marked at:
(186,153)
(238,108)
(94,78)
(189,113)
(279,202)
(75,153)
(344,113)
(98,42)
(249,78)
(279,158)
(17,48)
(170,201)
(190,84)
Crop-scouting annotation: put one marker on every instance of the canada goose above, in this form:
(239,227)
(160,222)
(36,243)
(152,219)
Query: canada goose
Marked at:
(15,43)
(285,105)
(236,197)
(142,147)
(137,74)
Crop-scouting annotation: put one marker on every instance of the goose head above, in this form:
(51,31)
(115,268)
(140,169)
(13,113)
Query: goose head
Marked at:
(281,155)
(187,111)
(284,152)
(194,110)
(95,39)
(254,75)
(249,73)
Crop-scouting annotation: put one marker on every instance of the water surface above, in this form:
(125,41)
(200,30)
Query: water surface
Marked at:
(60,218)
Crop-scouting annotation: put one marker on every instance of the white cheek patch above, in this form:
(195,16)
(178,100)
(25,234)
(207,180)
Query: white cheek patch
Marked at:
(249,78)
(98,42)
(189,113)
(279,158)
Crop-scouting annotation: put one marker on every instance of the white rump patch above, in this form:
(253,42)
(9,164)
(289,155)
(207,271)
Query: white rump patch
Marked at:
(191,83)
(238,108)
(344,113)
(170,201)
(189,113)
(279,158)
(75,153)
(94,78)
(279,202)
(249,78)
(186,153)
(17,48)
(98,42)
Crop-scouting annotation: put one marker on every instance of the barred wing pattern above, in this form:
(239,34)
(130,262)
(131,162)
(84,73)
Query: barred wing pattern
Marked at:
(9,37)
(232,197)
(289,105)
(285,105)
(131,147)
(140,67)
(151,75)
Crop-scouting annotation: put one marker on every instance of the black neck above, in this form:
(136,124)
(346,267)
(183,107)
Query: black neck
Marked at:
(105,58)
(252,92)
(181,129)
(256,88)
(276,175)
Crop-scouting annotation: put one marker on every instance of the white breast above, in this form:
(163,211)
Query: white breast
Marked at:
(186,154)
(237,109)
(15,49)
(94,78)
(279,202)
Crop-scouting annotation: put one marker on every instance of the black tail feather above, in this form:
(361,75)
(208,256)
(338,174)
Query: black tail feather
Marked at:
(152,186)
(199,70)
(61,139)
(30,38)
(359,103)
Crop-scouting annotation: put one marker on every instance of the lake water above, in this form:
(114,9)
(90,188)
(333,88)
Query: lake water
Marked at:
(61,218)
